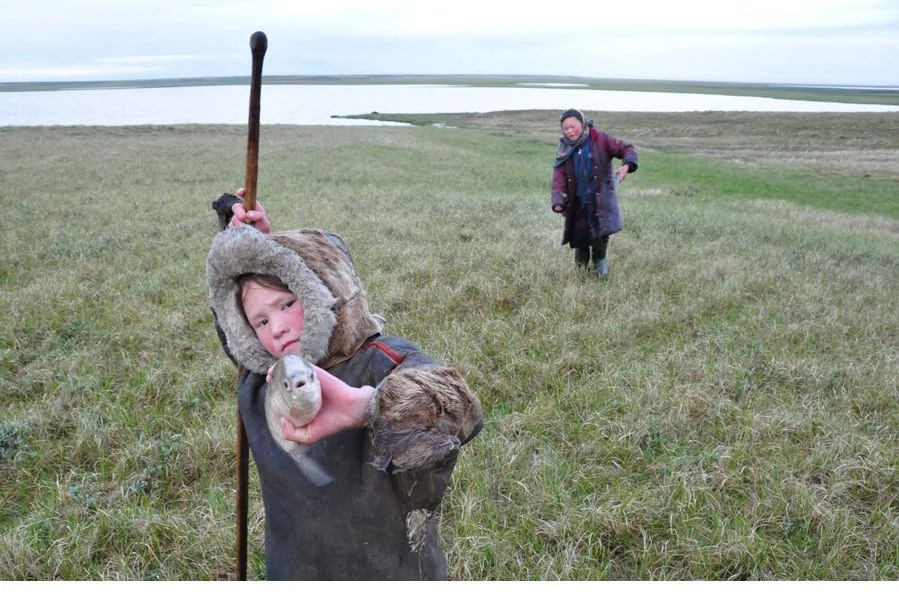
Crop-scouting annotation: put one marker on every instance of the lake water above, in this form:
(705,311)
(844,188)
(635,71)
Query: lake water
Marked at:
(315,104)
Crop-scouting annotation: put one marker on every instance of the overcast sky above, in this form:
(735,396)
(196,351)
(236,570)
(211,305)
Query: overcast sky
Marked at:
(833,42)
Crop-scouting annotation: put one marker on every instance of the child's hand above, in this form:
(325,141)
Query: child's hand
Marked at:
(343,407)
(255,217)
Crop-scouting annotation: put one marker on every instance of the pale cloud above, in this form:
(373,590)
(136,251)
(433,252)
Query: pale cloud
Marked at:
(803,41)
(79,72)
(466,17)
(157,58)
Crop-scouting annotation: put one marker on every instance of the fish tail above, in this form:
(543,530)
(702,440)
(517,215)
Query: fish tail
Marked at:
(313,471)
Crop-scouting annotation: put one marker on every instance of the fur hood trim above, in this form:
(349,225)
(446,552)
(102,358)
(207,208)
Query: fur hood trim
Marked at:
(317,267)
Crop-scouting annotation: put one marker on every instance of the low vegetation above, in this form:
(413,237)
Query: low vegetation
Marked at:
(723,407)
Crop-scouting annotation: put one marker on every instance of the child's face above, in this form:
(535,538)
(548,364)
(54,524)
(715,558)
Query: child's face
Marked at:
(572,128)
(276,316)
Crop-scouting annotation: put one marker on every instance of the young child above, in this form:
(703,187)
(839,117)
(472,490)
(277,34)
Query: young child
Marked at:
(583,187)
(391,422)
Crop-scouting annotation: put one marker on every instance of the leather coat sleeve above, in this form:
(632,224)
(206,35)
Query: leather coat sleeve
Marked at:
(425,413)
(622,150)
(559,188)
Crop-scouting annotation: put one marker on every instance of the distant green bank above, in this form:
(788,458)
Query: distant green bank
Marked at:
(823,93)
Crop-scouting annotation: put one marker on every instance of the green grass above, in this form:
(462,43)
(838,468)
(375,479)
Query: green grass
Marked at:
(723,407)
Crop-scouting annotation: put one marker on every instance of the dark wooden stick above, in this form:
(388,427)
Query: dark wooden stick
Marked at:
(241,510)
(258,46)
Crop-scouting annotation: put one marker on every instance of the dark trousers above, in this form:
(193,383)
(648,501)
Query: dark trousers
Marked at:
(599,247)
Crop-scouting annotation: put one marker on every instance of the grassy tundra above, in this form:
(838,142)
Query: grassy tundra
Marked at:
(723,407)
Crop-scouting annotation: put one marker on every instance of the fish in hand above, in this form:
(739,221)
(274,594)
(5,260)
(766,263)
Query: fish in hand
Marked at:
(295,392)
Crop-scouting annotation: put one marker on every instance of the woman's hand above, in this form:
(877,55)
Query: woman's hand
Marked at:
(623,171)
(254,217)
(343,407)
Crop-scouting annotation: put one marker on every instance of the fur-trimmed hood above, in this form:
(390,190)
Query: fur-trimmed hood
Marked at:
(317,267)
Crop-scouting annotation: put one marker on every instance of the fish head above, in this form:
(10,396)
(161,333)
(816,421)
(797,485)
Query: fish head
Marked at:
(294,390)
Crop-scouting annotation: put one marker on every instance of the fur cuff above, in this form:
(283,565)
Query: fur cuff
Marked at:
(423,415)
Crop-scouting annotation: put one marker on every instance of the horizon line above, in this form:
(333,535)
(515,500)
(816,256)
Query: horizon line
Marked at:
(519,78)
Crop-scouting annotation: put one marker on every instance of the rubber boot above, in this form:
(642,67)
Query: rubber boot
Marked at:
(600,265)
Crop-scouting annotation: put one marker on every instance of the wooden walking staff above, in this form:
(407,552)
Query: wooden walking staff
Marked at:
(258,46)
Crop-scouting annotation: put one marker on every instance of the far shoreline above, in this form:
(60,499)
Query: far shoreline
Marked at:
(824,93)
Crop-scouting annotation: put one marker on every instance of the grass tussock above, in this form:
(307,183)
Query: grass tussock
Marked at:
(723,407)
